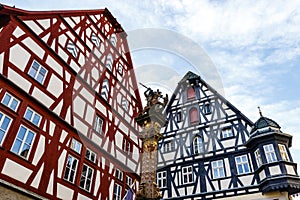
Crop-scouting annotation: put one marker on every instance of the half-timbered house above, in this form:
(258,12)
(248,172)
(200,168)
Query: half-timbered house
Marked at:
(211,150)
(68,96)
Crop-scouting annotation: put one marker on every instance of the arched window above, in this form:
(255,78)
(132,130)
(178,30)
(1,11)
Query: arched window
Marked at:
(113,39)
(191,93)
(109,62)
(105,89)
(197,145)
(194,118)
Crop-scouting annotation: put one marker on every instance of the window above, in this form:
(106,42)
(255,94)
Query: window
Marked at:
(187,175)
(198,145)
(283,152)
(120,69)
(117,192)
(72,49)
(119,174)
(90,155)
(105,89)
(162,179)
(109,62)
(86,178)
(127,146)
(242,164)
(270,153)
(179,117)
(10,101)
(191,93)
(128,180)
(71,167)
(95,39)
(258,158)
(76,145)
(98,124)
(38,72)
(4,126)
(32,116)
(206,109)
(218,169)
(23,142)
(125,104)
(113,39)
(169,146)
(194,115)
(227,132)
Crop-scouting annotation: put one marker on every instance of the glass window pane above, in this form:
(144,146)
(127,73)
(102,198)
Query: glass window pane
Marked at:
(28,114)
(6,99)
(36,119)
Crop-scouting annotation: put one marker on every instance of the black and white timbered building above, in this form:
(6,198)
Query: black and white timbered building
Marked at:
(211,150)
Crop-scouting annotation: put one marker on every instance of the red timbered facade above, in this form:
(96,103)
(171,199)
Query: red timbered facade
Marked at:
(68,95)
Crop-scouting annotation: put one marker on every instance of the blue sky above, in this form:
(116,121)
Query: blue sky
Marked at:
(253,45)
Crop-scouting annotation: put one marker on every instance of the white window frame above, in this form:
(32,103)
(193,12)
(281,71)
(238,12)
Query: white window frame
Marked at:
(227,132)
(72,169)
(187,175)
(24,148)
(242,164)
(98,124)
(125,104)
(258,157)
(119,174)
(270,153)
(33,116)
(283,152)
(13,103)
(128,180)
(169,146)
(4,127)
(117,192)
(86,178)
(74,50)
(90,155)
(197,145)
(218,170)
(162,179)
(36,73)
(95,40)
(76,146)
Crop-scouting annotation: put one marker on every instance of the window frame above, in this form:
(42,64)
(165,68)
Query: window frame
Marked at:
(191,93)
(258,157)
(243,164)
(76,146)
(193,113)
(119,174)
(73,158)
(12,98)
(37,72)
(270,153)
(169,146)
(31,119)
(207,108)
(86,178)
(128,180)
(117,193)
(220,169)
(225,133)
(23,141)
(161,179)
(4,130)
(197,146)
(188,176)
(98,128)
(283,152)
(89,157)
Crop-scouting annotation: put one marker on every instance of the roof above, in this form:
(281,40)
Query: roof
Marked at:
(264,124)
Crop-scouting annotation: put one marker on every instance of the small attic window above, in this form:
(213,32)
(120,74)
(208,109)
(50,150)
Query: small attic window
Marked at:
(191,93)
